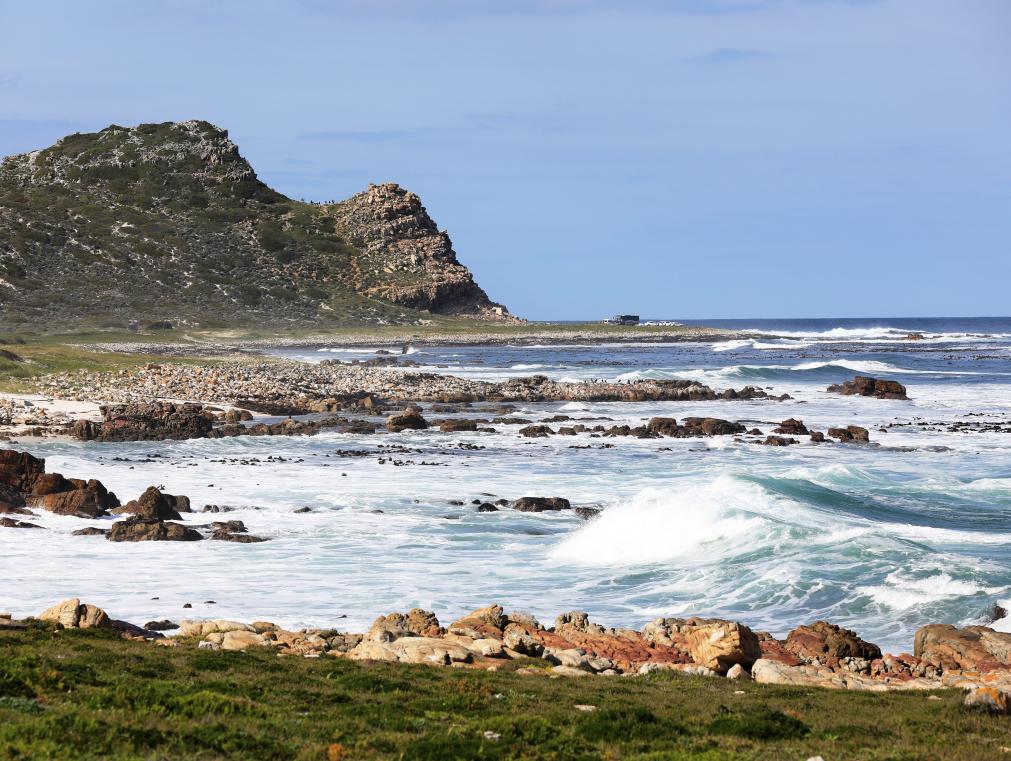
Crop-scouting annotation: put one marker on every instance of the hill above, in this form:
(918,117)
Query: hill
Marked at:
(168,222)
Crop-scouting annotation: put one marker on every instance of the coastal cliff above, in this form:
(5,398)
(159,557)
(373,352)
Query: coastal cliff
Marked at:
(168,223)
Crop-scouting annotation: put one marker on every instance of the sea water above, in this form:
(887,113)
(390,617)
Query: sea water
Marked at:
(914,528)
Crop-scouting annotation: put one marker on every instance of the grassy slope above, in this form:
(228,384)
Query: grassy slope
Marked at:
(74,694)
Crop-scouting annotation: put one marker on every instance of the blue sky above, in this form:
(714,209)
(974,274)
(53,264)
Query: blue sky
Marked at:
(688,158)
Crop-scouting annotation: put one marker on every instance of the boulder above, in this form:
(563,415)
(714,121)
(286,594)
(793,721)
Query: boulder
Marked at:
(453,426)
(73,614)
(850,433)
(152,504)
(829,643)
(863,385)
(541,504)
(710,426)
(663,426)
(428,650)
(151,530)
(536,431)
(481,623)
(11,523)
(147,421)
(779,441)
(408,420)
(414,623)
(718,645)
(972,648)
(791,427)
(83,499)
(989,700)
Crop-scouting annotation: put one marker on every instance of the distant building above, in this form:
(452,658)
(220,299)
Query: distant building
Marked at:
(622,319)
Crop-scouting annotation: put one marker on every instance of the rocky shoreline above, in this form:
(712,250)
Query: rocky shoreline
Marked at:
(222,346)
(976,659)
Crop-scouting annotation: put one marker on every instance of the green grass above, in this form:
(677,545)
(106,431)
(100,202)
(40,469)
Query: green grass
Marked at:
(73,694)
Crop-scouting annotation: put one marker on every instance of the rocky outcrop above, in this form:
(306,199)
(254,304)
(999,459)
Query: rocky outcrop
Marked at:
(24,482)
(822,655)
(151,530)
(147,422)
(829,644)
(541,504)
(409,420)
(153,504)
(863,385)
(791,427)
(174,212)
(850,433)
(973,648)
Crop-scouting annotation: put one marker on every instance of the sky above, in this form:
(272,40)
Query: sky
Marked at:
(678,158)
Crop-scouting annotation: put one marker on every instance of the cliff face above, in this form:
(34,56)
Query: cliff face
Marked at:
(169,222)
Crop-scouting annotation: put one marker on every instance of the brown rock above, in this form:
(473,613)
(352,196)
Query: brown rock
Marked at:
(409,420)
(73,614)
(481,623)
(152,504)
(850,433)
(829,643)
(718,645)
(541,504)
(151,530)
(792,427)
(414,623)
(453,426)
(863,385)
(973,648)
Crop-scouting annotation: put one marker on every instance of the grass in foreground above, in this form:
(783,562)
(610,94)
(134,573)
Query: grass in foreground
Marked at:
(84,694)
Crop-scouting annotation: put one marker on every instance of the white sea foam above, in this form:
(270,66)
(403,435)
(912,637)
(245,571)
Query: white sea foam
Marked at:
(658,525)
(901,592)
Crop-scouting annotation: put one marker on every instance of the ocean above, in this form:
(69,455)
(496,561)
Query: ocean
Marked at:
(881,538)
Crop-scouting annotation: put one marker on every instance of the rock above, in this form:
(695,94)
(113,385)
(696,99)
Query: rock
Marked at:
(973,648)
(850,433)
(989,700)
(73,614)
(737,672)
(161,626)
(11,523)
(147,421)
(91,531)
(409,420)
(588,513)
(487,507)
(536,431)
(151,530)
(415,623)
(238,639)
(663,426)
(829,643)
(718,645)
(779,441)
(430,650)
(863,385)
(453,426)
(481,623)
(712,426)
(541,504)
(190,628)
(791,427)
(153,504)
(817,437)
(82,499)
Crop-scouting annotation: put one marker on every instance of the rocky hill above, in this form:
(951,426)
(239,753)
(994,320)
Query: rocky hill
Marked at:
(167,222)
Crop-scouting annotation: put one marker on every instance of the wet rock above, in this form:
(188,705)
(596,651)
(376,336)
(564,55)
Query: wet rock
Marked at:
(161,626)
(817,437)
(151,530)
(791,427)
(864,385)
(154,421)
(536,431)
(541,504)
(779,441)
(487,507)
(829,643)
(11,523)
(91,531)
(588,513)
(454,426)
(153,504)
(853,433)
(409,420)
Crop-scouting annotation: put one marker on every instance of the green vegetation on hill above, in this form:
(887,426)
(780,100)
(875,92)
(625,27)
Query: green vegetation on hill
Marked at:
(86,694)
(169,222)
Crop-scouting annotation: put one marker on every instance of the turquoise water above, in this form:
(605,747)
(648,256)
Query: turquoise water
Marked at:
(882,538)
